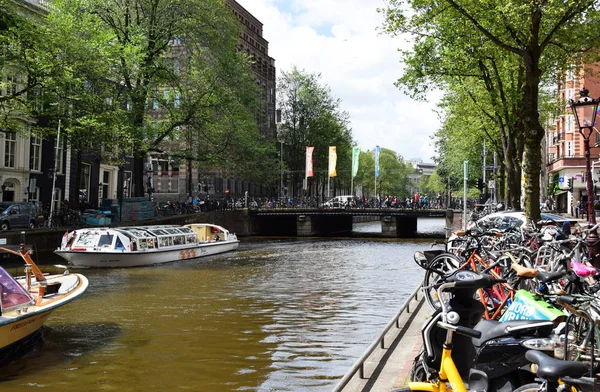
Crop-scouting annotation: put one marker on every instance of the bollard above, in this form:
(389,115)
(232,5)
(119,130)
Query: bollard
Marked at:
(449,222)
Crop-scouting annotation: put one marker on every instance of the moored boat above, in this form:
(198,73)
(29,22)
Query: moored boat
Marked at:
(26,302)
(136,246)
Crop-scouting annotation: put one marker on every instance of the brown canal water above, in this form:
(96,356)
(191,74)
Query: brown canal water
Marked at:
(275,315)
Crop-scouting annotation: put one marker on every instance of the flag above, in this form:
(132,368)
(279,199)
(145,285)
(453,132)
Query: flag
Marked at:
(332,161)
(355,155)
(309,162)
(377,161)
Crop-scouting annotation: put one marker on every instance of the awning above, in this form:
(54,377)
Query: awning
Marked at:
(560,193)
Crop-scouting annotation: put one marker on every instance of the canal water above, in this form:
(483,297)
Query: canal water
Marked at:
(275,315)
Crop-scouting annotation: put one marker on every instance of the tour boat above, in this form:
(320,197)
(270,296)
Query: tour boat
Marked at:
(26,302)
(136,246)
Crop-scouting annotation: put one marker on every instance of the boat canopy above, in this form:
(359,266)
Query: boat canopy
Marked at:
(12,293)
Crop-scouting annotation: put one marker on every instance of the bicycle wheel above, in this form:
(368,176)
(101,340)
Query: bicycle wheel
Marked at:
(444,263)
(533,387)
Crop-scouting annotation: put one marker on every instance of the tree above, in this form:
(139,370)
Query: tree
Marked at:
(311,116)
(393,174)
(22,70)
(540,36)
(174,63)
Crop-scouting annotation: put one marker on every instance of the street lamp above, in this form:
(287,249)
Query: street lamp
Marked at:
(280,140)
(584,110)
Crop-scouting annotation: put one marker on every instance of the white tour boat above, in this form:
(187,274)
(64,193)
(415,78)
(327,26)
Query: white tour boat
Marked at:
(136,246)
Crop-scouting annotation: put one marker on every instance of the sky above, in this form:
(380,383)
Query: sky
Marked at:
(339,39)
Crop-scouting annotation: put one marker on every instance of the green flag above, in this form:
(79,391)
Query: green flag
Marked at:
(355,155)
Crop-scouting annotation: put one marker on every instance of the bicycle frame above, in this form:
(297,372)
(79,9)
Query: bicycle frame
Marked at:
(497,296)
(447,372)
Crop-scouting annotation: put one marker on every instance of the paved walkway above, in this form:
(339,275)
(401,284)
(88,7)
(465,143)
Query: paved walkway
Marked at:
(389,368)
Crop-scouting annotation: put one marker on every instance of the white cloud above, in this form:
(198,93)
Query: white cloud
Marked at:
(339,39)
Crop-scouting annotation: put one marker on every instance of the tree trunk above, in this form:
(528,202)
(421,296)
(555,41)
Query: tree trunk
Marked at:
(513,182)
(534,133)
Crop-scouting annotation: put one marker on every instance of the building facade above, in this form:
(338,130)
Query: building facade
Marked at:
(27,162)
(205,182)
(565,145)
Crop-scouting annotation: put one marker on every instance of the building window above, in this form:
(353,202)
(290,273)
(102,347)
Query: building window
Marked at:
(10,146)
(570,75)
(59,157)
(127,184)
(570,94)
(570,149)
(57,199)
(35,195)
(569,123)
(84,182)
(35,154)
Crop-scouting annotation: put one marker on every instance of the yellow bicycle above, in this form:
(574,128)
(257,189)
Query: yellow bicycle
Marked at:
(448,378)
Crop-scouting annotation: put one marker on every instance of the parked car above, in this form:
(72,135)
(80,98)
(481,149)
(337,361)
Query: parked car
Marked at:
(340,202)
(14,215)
(508,219)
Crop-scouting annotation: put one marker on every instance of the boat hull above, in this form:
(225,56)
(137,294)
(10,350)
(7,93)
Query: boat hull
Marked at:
(20,328)
(18,325)
(142,258)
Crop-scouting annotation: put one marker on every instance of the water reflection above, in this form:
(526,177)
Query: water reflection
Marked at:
(284,314)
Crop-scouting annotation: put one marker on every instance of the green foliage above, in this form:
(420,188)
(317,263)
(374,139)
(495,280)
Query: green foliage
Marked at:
(393,174)
(175,67)
(311,116)
(553,188)
(502,48)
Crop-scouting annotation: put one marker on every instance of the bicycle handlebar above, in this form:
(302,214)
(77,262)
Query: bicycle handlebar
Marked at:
(460,330)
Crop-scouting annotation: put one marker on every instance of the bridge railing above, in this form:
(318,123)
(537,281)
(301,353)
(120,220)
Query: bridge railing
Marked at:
(359,365)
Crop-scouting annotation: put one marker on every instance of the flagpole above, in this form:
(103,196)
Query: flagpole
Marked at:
(352,175)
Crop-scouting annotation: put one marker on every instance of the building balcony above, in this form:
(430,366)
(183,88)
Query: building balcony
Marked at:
(561,163)
(557,138)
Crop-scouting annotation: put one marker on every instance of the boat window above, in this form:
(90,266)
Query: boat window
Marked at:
(86,239)
(12,293)
(190,239)
(119,244)
(186,230)
(105,240)
(171,231)
(165,241)
(159,232)
(151,243)
(142,244)
(178,240)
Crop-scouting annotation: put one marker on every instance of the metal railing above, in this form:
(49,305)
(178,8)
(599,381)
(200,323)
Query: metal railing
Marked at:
(359,365)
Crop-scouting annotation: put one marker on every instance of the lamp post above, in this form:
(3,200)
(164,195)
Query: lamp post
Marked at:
(280,140)
(584,110)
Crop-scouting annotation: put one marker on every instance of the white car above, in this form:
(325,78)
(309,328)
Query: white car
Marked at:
(509,219)
(340,202)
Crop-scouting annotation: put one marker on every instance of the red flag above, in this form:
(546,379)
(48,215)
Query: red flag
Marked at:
(309,161)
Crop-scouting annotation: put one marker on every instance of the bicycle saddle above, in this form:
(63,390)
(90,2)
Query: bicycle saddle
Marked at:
(583,270)
(491,329)
(553,369)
